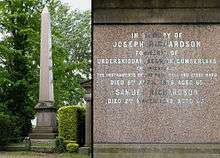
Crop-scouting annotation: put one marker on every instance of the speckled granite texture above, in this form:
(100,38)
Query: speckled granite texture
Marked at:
(149,122)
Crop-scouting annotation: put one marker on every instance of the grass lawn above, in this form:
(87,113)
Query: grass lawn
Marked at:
(28,154)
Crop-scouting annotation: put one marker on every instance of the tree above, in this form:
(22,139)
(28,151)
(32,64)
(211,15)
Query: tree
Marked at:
(19,56)
(19,20)
(71,33)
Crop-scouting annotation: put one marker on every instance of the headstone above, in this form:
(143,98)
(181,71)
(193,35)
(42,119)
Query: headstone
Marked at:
(156,78)
(46,116)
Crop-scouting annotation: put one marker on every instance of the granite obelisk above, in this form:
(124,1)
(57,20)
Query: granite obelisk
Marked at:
(46,74)
(46,116)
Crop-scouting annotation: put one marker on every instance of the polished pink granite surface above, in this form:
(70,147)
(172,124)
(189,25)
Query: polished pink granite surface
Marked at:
(186,109)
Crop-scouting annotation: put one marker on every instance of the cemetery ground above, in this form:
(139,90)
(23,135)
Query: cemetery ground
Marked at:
(29,154)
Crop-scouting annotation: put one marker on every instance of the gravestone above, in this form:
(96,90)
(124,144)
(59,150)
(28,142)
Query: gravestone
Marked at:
(156,78)
(46,115)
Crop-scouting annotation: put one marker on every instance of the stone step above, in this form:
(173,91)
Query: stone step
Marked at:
(43,145)
(85,150)
(42,149)
(43,130)
(15,147)
(43,135)
(35,142)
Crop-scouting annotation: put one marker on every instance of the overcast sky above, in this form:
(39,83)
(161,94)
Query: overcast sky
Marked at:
(79,4)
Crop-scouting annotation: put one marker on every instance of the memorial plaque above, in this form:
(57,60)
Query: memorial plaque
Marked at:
(156,84)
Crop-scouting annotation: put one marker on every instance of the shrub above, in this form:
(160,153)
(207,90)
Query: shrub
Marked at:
(68,141)
(59,145)
(72,147)
(7,131)
(71,123)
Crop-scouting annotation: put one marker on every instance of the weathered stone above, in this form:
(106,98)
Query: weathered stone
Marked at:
(156,150)
(162,16)
(46,74)
(86,149)
(130,129)
(156,11)
(46,115)
(158,111)
(147,4)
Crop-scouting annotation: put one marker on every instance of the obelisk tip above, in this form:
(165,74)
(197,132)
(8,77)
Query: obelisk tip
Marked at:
(45,10)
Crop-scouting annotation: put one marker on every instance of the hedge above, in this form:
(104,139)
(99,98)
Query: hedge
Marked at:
(71,123)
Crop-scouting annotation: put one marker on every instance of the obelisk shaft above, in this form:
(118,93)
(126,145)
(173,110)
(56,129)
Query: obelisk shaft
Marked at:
(46,115)
(46,74)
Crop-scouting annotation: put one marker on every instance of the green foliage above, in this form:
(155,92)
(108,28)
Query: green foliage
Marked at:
(6,129)
(67,122)
(71,123)
(20,52)
(59,145)
(17,51)
(72,59)
(68,141)
(72,147)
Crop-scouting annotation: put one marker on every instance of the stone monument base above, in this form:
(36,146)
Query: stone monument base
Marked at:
(43,145)
(156,150)
(85,150)
(43,135)
(43,139)
(46,121)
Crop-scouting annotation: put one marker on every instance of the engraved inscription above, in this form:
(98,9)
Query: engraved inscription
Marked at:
(156,73)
